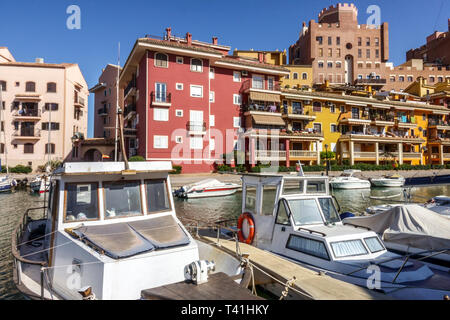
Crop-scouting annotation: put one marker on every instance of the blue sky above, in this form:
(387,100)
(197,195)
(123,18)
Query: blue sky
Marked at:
(38,28)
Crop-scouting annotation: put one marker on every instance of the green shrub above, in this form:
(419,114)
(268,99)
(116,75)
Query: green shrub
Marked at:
(136,158)
(21,169)
(176,169)
(327,155)
(223,168)
(53,166)
(240,168)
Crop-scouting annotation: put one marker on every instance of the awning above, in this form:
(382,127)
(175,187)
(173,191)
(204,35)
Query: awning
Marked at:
(261,96)
(272,120)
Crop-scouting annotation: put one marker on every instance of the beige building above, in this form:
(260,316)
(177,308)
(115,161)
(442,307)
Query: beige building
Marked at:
(41,99)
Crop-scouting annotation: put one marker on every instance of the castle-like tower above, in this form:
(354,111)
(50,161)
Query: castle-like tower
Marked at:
(339,49)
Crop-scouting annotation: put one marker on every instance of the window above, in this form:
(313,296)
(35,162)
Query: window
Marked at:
(161,92)
(377,53)
(28,148)
(160,142)
(178,113)
(374,244)
(338,64)
(212,73)
(305,211)
(330,65)
(338,53)
(342,109)
(30,86)
(157,196)
(250,198)
(54,126)
(320,65)
(3,105)
(359,41)
(196,65)
(348,248)
(258,82)
(196,143)
(410,79)
(51,87)
(180,60)
(333,128)
(269,197)
(317,107)
(51,106)
(50,148)
(82,202)
(2,126)
(161,60)
(317,127)
(122,199)
(338,41)
(368,42)
(329,210)
(368,53)
(401,79)
(359,53)
(3,85)
(355,113)
(392,78)
(320,52)
(282,216)
(237,99)
(211,96)
(377,42)
(295,76)
(179,86)
(320,40)
(236,76)
(312,247)
(196,91)
(369,65)
(236,122)
(330,52)
(432,79)
(304,76)
(161,114)
(2,148)
(330,41)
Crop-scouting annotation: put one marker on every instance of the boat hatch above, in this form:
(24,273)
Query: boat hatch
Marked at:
(126,239)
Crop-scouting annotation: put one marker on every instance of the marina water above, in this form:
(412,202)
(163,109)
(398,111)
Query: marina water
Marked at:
(13,206)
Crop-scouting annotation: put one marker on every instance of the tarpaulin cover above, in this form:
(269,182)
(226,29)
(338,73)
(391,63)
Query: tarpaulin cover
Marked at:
(126,239)
(410,225)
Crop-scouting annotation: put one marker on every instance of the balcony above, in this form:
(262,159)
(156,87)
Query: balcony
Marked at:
(79,101)
(270,155)
(196,127)
(129,111)
(412,155)
(250,85)
(161,99)
(299,114)
(303,155)
(438,124)
(370,82)
(382,120)
(130,90)
(355,120)
(27,115)
(27,134)
(360,137)
(405,123)
(129,132)
(262,107)
(102,112)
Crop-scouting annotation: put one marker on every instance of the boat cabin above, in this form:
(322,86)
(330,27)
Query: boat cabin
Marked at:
(114,230)
(297,217)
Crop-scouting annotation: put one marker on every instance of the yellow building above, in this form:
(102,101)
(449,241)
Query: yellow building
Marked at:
(277,57)
(300,77)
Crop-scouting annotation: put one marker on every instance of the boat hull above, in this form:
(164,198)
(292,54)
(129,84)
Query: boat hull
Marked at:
(206,193)
(350,185)
(387,183)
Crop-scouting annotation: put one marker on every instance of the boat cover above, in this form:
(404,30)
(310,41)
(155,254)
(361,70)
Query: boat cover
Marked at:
(410,225)
(126,239)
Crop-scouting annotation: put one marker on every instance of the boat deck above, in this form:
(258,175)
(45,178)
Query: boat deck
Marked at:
(319,287)
(219,287)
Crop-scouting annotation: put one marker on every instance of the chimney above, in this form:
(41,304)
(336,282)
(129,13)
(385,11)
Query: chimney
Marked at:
(214,41)
(39,60)
(189,38)
(168,32)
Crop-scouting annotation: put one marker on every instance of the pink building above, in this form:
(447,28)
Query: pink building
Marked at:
(185,99)
(40,99)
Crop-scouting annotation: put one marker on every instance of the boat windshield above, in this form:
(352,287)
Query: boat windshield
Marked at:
(329,210)
(305,211)
(348,248)
(122,198)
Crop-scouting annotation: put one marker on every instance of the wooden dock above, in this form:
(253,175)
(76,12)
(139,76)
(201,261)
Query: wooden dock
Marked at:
(314,285)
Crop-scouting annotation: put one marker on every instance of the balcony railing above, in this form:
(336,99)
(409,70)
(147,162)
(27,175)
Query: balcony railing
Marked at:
(161,98)
(438,122)
(131,85)
(265,85)
(28,113)
(196,127)
(274,108)
(103,111)
(79,101)
(302,154)
(28,133)
(382,118)
(412,155)
(372,81)
(270,155)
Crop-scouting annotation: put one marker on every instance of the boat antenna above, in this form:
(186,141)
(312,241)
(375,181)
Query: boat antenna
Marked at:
(117,104)
(4,132)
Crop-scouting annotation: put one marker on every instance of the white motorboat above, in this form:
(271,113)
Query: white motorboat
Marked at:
(393,180)
(40,184)
(7,184)
(439,204)
(302,225)
(111,232)
(411,228)
(207,188)
(347,180)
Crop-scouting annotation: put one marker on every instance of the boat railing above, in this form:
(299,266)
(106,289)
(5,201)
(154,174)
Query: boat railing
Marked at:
(356,226)
(18,259)
(312,231)
(433,252)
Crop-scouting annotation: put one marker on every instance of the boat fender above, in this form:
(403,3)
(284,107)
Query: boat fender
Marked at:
(346,215)
(251,224)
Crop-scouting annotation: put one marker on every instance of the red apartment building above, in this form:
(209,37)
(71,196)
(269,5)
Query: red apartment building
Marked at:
(183,99)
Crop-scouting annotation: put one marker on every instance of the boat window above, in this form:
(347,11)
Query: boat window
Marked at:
(374,244)
(157,195)
(122,199)
(329,210)
(82,202)
(348,248)
(305,211)
(312,247)
(293,186)
(282,215)
(250,198)
(316,187)
(268,200)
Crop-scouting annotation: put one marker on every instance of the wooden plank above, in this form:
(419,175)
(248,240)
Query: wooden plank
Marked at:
(320,287)
(219,287)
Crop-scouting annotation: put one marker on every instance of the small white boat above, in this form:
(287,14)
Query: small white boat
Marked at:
(40,184)
(207,188)
(393,180)
(439,204)
(111,233)
(347,180)
(7,184)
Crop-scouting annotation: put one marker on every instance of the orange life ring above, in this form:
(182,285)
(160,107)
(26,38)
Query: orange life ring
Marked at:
(251,224)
